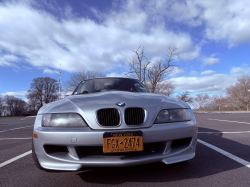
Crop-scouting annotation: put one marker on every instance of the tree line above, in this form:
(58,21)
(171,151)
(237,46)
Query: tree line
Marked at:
(237,98)
(42,90)
(153,73)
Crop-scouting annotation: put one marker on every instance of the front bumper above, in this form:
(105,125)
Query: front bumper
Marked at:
(72,138)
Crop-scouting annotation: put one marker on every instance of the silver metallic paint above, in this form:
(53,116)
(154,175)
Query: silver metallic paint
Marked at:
(86,105)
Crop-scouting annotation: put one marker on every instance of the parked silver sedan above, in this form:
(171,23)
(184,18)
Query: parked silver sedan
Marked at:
(113,122)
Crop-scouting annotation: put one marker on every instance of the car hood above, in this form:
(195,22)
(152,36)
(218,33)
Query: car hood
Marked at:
(87,105)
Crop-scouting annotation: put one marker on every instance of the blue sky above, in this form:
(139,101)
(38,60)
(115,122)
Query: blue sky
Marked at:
(36,36)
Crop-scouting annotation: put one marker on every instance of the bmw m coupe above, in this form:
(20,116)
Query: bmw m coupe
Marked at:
(113,122)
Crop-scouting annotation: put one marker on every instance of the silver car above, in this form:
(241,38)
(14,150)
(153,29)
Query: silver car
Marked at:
(113,122)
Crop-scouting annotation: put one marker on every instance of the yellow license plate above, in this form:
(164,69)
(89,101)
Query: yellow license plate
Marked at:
(114,142)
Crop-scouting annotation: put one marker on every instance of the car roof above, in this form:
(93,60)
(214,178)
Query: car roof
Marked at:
(110,78)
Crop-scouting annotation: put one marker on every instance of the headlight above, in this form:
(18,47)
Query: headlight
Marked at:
(173,115)
(63,120)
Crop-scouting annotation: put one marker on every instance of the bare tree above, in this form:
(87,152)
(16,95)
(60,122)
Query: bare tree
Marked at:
(150,73)
(200,101)
(1,105)
(240,92)
(233,104)
(33,106)
(138,65)
(76,78)
(43,89)
(15,106)
(167,88)
(160,68)
(184,96)
(219,101)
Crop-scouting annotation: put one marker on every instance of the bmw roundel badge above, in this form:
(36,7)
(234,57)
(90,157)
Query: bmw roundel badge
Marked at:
(120,104)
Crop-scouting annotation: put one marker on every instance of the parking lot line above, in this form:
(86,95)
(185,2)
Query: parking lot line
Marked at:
(17,128)
(28,117)
(229,155)
(15,158)
(228,121)
(14,138)
(224,132)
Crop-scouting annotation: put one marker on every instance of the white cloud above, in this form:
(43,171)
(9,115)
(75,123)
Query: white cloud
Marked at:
(206,84)
(20,94)
(187,12)
(85,44)
(49,71)
(81,43)
(208,72)
(240,71)
(211,61)
(224,20)
(194,73)
(227,20)
(178,72)
(114,74)
(192,54)
(7,59)
(211,82)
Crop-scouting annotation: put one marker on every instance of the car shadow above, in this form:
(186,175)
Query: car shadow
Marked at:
(206,162)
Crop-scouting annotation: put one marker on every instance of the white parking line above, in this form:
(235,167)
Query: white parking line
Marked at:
(224,132)
(14,138)
(17,128)
(28,117)
(229,155)
(228,121)
(15,158)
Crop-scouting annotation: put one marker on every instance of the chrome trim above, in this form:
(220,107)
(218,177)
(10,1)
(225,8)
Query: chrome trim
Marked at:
(145,117)
(120,122)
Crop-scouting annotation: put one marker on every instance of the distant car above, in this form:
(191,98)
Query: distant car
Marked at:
(113,122)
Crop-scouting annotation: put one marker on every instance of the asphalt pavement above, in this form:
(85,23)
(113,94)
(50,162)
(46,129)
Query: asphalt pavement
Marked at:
(221,161)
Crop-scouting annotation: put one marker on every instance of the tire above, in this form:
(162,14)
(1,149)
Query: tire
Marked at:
(36,162)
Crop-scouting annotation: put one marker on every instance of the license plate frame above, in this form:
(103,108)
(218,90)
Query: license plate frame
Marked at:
(122,142)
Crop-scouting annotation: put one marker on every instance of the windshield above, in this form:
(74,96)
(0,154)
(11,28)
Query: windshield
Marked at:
(109,84)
